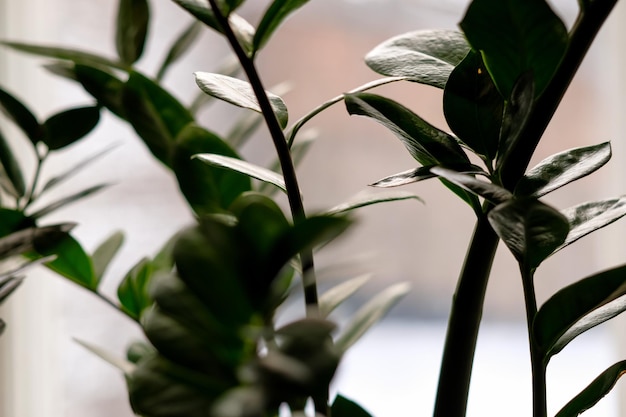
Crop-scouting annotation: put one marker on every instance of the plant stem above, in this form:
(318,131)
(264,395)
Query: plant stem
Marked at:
(464,322)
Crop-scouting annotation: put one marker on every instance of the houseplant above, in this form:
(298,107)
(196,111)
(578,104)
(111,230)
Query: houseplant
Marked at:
(512,92)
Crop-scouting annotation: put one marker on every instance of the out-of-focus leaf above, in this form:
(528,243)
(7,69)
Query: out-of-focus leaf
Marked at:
(11,167)
(473,107)
(366,199)
(426,56)
(467,181)
(579,307)
(530,229)
(239,93)
(369,314)
(594,392)
(133,290)
(71,262)
(67,200)
(13,220)
(69,126)
(254,171)
(21,115)
(7,287)
(516,36)
(561,169)
(105,252)
(120,363)
(272,18)
(406,177)
(103,86)
(32,238)
(343,407)
(133,17)
(2,326)
(67,54)
(332,298)
(180,46)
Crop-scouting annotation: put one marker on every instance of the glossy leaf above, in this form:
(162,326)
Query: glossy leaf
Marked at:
(71,261)
(133,17)
(427,144)
(133,290)
(333,297)
(425,56)
(19,113)
(69,126)
(157,117)
(239,93)
(516,36)
(530,229)
(594,392)
(369,314)
(11,167)
(275,14)
(406,177)
(180,46)
(105,252)
(238,165)
(55,205)
(106,88)
(468,181)
(67,54)
(343,407)
(366,199)
(579,307)
(561,169)
(473,106)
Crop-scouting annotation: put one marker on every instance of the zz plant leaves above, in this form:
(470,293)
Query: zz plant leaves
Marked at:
(406,177)
(105,252)
(426,56)
(133,17)
(67,127)
(66,54)
(105,87)
(133,290)
(367,199)
(23,117)
(468,181)
(579,307)
(62,202)
(180,46)
(275,14)
(333,297)
(11,168)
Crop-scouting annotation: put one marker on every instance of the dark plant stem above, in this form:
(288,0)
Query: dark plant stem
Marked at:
(464,322)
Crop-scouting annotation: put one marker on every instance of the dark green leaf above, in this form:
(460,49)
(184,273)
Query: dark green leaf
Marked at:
(67,200)
(103,86)
(426,56)
(343,407)
(21,115)
(158,118)
(406,177)
(530,229)
(473,106)
(133,290)
(579,307)
(561,169)
(516,36)
(13,220)
(239,93)
(133,17)
(594,391)
(468,181)
(67,54)
(105,252)
(69,126)
(254,171)
(71,261)
(11,167)
(272,18)
(182,44)
(366,199)
(32,238)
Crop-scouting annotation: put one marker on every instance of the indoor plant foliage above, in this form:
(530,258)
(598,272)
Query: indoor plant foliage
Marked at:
(208,301)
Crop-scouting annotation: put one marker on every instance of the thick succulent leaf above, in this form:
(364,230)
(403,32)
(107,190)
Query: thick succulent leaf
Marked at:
(579,307)
(207,189)
(133,290)
(105,252)
(343,407)
(468,181)
(105,87)
(369,314)
(133,17)
(55,205)
(66,54)
(366,199)
(426,56)
(239,93)
(332,298)
(427,144)
(594,392)
(473,107)
(561,169)
(238,165)
(180,46)
(17,111)
(530,229)
(516,36)
(11,168)
(406,177)
(69,126)
(157,117)
(278,11)
(120,363)
(71,262)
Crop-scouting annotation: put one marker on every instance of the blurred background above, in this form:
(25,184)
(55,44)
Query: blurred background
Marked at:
(319,51)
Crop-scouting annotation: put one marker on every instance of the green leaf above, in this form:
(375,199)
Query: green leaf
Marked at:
(11,167)
(157,117)
(516,36)
(369,314)
(105,252)
(594,392)
(425,56)
(19,113)
(103,86)
(69,126)
(254,171)
(406,177)
(343,407)
(473,106)
(133,290)
(12,220)
(561,169)
(272,18)
(71,261)
(133,17)
(468,181)
(55,205)
(333,298)
(366,199)
(180,46)
(579,307)
(239,93)
(530,229)
(32,238)
(427,144)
